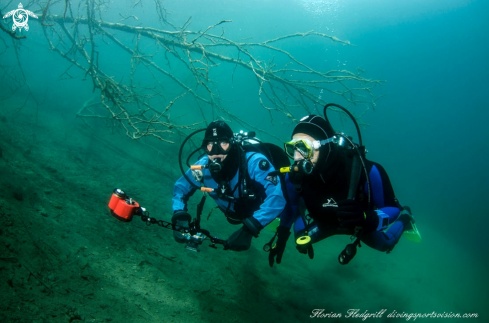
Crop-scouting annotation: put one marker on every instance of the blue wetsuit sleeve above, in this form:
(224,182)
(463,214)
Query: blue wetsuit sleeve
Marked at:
(274,202)
(385,202)
(183,190)
(389,230)
(288,217)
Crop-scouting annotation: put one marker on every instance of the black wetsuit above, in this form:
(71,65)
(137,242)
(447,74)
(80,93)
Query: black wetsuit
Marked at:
(321,192)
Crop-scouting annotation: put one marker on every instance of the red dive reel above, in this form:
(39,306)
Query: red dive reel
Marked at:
(123,207)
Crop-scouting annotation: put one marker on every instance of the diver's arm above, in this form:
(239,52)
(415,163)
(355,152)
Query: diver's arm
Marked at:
(385,202)
(274,202)
(290,213)
(182,191)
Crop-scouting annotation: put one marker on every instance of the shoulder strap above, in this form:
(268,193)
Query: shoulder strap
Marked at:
(245,176)
(356,170)
(358,163)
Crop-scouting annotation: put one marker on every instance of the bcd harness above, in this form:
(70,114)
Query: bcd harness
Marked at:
(246,194)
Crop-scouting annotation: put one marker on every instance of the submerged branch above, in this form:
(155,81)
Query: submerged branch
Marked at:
(284,89)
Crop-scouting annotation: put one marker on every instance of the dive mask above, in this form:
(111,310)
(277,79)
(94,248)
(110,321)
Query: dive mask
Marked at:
(216,147)
(305,147)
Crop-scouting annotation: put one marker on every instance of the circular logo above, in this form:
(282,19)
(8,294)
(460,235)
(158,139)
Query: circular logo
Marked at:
(20,17)
(264,164)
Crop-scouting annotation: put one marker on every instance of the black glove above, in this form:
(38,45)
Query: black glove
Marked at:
(278,249)
(351,214)
(241,239)
(180,219)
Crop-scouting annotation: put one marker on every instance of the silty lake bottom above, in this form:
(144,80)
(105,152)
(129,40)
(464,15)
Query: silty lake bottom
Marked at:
(64,258)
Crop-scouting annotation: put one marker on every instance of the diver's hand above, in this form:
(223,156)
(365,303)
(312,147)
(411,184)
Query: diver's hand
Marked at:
(306,249)
(180,219)
(278,249)
(239,240)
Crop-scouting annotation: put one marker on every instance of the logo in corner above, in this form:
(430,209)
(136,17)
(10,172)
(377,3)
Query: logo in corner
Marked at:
(20,17)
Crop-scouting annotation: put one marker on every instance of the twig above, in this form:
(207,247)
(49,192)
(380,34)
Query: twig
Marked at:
(285,85)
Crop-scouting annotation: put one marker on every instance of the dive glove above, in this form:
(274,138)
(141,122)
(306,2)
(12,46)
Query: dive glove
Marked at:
(241,239)
(180,219)
(351,214)
(278,249)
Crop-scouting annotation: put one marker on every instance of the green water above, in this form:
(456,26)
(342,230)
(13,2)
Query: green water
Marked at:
(64,258)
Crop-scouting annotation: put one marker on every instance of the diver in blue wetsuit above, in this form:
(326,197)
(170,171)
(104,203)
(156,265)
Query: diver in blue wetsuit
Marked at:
(240,182)
(343,192)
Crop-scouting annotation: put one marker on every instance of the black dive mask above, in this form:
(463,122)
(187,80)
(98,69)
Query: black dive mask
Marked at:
(216,147)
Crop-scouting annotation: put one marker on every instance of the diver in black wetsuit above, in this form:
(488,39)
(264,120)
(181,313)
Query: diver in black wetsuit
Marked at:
(343,192)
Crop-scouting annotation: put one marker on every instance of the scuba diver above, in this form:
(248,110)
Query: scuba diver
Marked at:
(235,173)
(343,192)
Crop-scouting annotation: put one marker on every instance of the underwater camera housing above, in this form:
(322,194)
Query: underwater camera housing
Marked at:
(124,208)
(194,241)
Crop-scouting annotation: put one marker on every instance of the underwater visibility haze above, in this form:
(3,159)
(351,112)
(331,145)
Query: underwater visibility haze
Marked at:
(97,95)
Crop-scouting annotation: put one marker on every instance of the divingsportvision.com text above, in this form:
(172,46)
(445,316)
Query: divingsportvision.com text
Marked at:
(393,314)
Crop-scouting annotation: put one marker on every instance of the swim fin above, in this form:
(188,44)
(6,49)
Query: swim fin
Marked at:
(412,234)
